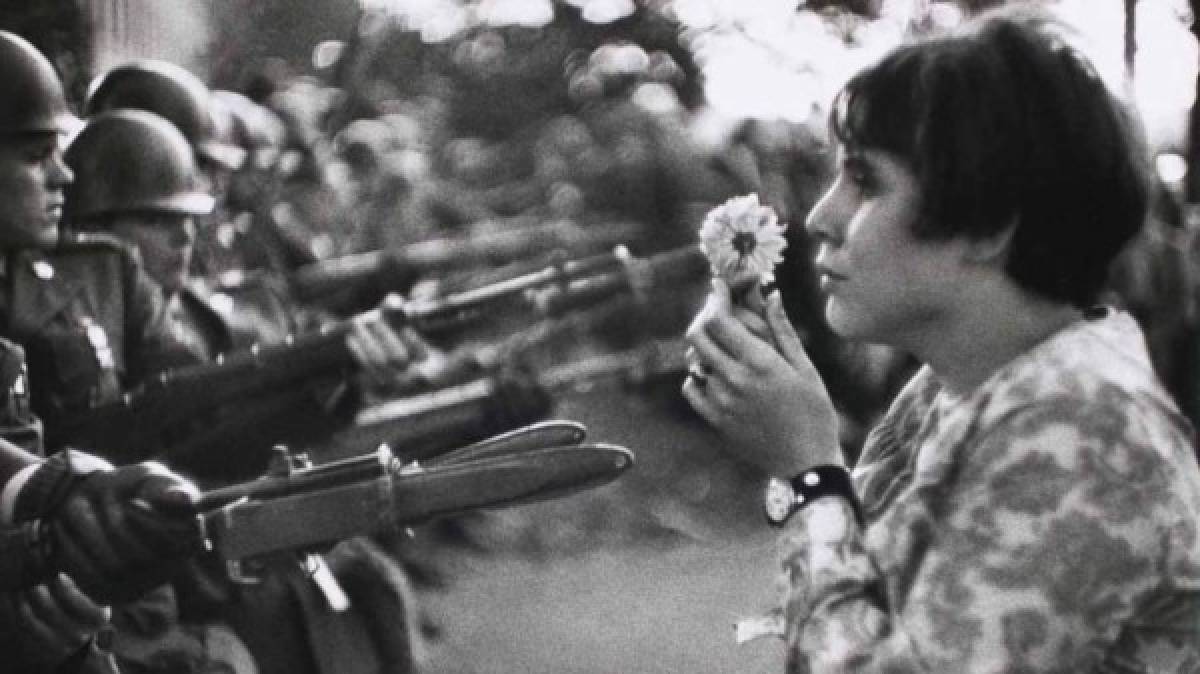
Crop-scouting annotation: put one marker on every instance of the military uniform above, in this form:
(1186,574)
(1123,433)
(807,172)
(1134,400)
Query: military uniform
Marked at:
(286,621)
(202,622)
(92,324)
(21,427)
(18,424)
(210,318)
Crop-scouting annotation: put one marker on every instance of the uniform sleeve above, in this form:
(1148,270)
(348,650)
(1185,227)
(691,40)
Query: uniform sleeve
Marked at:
(18,424)
(152,346)
(1055,526)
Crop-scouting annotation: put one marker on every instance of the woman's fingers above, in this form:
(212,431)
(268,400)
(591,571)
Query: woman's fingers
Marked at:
(707,397)
(788,341)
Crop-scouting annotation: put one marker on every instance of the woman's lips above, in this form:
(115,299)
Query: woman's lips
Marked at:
(829,278)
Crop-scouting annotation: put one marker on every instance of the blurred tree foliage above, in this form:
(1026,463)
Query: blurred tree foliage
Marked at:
(250,35)
(498,78)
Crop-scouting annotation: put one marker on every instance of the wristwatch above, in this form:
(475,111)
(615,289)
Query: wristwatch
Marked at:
(786,496)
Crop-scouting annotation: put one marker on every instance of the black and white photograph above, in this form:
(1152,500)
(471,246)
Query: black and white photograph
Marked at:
(599,336)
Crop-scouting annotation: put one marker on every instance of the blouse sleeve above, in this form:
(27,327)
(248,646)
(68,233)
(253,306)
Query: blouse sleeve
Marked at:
(1055,527)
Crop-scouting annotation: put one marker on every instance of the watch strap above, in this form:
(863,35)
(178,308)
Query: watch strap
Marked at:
(820,481)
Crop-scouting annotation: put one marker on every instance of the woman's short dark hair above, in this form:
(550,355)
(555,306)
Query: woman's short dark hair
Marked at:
(1004,123)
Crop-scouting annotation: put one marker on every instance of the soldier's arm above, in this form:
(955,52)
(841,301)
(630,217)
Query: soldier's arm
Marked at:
(151,344)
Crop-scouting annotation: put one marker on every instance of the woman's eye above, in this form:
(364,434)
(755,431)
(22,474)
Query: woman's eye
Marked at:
(863,180)
(859,174)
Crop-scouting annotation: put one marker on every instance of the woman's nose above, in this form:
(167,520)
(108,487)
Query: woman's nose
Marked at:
(823,219)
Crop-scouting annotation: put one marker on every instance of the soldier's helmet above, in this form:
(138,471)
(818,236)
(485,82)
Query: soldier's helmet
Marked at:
(129,161)
(31,95)
(172,92)
(256,128)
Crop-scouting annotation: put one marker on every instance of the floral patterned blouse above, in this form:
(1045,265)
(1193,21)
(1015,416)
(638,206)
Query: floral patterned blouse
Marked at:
(1046,522)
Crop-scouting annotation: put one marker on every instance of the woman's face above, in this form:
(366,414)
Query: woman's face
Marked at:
(164,241)
(881,283)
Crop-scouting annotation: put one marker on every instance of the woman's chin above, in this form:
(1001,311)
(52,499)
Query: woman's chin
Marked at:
(841,321)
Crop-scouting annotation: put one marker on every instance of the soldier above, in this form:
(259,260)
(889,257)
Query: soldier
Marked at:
(52,626)
(89,319)
(92,323)
(95,521)
(183,99)
(135,178)
(86,318)
(251,238)
(179,96)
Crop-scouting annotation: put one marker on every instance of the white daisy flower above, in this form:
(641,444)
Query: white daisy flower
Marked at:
(743,241)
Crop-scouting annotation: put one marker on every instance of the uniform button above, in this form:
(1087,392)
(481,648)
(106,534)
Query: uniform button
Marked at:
(43,270)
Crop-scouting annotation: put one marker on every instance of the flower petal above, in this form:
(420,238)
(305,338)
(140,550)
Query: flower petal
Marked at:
(742,215)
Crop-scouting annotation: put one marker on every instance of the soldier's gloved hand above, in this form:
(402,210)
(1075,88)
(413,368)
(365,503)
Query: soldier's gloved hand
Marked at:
(46,624)
(115,532)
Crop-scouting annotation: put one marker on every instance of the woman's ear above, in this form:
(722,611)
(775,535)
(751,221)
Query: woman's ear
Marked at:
(990,249)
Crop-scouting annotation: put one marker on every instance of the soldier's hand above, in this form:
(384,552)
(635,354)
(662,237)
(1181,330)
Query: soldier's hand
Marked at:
(382,351)
(49,623)
(120,532)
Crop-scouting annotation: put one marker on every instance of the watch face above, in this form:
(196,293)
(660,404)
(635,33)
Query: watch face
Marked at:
(779,500)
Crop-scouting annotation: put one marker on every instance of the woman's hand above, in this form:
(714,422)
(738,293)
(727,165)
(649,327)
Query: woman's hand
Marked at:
(752,380)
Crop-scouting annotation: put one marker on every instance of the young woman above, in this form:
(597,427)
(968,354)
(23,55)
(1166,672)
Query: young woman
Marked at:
(1030,500)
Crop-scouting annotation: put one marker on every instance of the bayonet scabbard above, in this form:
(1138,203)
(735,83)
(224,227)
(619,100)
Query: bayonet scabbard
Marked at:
(408,496)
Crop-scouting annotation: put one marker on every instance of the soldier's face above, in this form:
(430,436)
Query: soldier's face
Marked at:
(32,179)
(164,241)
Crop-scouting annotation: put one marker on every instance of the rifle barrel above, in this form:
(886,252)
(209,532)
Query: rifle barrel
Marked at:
(637,277)
(344,471)
(391,270)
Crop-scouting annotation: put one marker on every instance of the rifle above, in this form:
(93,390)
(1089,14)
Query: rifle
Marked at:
(133,427)
(514,398)
(559,288)
(487,388)
(356,281)
(636,277)
(427,424)
(301,507)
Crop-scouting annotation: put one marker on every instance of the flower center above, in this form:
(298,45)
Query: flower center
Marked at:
(744,242)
